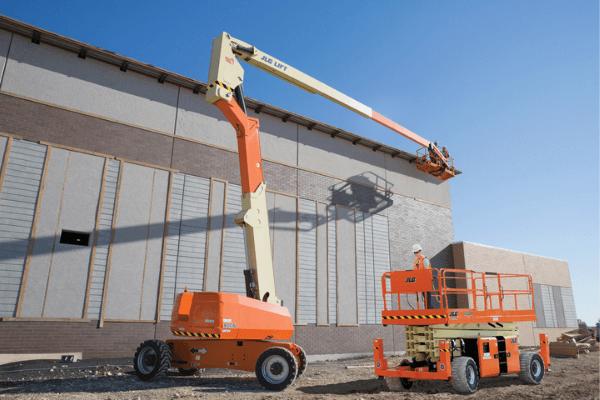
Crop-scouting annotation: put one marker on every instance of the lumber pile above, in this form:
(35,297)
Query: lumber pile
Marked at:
(573,343)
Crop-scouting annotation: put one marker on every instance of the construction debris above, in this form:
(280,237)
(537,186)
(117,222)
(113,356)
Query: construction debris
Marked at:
(575,342)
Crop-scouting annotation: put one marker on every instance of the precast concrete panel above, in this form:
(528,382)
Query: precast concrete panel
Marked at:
(569,307)
(371,278)
(193,234)
(322,272)
(155,244)
(284,251)
(104,239)
(278,139)
(560,311)
(41,257)
(125,280)
(18,202)
(547,270)
(69,270)
(5,39)
(217,216)
(381,258)
(235,259)
(307,258)
(340,158)
(549,306)
(404,177)
(332,259)
(56,76)
(168,295)
(346,256)
(361,268)
(202,121)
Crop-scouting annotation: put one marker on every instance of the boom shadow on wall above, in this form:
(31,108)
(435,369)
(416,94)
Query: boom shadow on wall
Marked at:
(355,194)
(46,244)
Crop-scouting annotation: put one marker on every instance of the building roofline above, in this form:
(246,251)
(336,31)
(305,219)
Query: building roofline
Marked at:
(512,251)
(39,35)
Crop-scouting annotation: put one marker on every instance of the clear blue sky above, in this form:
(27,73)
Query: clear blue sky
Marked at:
(510,87)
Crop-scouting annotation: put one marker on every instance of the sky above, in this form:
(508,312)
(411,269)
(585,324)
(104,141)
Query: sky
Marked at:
(510,87)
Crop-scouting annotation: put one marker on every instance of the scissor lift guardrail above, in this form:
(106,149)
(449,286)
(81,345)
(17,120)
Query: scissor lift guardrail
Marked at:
(449,287)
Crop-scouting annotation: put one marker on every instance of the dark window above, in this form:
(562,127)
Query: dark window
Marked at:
(76,238)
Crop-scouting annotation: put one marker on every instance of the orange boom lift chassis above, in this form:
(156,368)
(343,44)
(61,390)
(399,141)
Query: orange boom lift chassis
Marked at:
(460,326)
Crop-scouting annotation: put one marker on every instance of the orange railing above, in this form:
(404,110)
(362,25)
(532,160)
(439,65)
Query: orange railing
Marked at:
(451,296)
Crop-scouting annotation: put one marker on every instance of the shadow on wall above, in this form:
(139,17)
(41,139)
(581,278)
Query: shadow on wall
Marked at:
(355,194)
(16,249)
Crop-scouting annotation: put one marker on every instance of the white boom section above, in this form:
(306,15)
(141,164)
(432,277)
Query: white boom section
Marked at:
(224,71)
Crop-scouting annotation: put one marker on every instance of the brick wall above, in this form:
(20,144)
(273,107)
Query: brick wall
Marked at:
(115,339)
(38,122)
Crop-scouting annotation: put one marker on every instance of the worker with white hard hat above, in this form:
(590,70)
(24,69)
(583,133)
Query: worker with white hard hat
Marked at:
(421,262)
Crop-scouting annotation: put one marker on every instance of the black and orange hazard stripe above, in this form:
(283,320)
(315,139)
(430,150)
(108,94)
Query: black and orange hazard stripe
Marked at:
(414,317)
(200,335)
(444,349)
(220,84)
(543,341)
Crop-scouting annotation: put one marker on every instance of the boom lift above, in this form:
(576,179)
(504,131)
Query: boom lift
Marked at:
(223,330)
(464,330)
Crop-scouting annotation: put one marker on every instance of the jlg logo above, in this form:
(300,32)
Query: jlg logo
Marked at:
(513,340)
(229,60)
(454,313)
(410,280)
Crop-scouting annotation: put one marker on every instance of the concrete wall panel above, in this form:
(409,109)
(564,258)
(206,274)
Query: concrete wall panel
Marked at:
(547,271)
(70,263)
(346,257)
(307,258)
(18,202)
(129,245)
(284,251)
(59,77)
(278,139)
(340,158)
(35,292)
(155,245)
(213,267)
(322,271)
(5,39)
(199,120)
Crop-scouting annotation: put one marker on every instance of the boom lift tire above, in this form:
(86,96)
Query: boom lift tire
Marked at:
(152,360)
(189,371)
(465,378)
(276,368)
(302,363)
(532,368)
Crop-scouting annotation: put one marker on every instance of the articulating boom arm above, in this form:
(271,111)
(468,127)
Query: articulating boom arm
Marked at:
(226,75)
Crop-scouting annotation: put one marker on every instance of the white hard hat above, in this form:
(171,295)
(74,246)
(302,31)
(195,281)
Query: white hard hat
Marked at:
(417,247)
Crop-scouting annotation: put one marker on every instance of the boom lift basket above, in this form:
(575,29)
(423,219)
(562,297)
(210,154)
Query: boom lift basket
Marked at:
(425,163)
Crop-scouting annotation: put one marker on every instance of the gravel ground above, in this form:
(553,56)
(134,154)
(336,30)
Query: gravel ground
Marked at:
(353,379)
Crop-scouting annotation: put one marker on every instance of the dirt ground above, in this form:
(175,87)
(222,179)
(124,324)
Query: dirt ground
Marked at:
(352,379)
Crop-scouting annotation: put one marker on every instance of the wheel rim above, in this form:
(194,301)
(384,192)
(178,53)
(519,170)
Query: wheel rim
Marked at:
(536,368)
(275,369)
(146,360)
(470,375)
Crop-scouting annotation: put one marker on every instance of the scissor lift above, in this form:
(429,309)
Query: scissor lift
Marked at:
(460,326)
